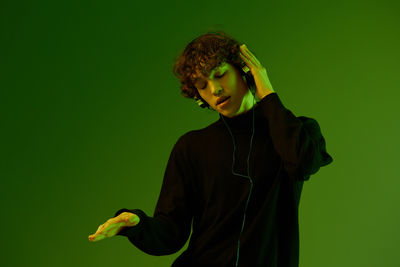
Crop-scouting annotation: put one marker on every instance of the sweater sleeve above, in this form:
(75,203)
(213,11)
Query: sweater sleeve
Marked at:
(169,228)
(298,140)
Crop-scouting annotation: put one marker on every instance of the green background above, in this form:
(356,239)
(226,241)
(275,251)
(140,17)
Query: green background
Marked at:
(90,111)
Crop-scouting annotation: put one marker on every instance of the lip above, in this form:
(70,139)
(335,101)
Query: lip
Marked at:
(224,103)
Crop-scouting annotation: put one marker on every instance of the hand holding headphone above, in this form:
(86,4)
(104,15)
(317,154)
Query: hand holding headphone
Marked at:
(262,85)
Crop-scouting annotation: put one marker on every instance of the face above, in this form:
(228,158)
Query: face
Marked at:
(225,81)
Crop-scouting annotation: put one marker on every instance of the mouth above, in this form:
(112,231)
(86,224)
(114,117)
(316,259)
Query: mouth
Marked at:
(223,100)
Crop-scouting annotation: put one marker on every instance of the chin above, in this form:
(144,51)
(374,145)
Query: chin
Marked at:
(228,114)
(223,112)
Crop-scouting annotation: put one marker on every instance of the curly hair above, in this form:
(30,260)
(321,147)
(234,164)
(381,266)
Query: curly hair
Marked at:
(201,55)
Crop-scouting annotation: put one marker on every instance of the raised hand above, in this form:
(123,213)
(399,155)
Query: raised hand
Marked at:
(112,226)
(258,71)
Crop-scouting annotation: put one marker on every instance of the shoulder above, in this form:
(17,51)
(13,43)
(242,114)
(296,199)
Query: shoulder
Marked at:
(197,136)
(205,131)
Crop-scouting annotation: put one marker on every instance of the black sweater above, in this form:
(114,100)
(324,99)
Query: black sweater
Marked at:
(199,185)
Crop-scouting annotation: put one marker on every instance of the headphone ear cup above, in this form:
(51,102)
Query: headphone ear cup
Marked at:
(248,77)
(200,102)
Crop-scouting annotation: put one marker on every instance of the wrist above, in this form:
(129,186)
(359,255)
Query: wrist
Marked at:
(130,218)
(265,93)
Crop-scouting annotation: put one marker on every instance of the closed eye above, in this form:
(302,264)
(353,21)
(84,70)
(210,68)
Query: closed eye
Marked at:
(205,85)
(202,88)
(220,75)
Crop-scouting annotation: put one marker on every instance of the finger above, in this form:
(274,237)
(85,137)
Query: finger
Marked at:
(99,235)
(250,56)
(107,229)
(247,59)
(243,51)
(100,227)
(107,224)
(248,63)
(96,237)
(111,229)
(92,238)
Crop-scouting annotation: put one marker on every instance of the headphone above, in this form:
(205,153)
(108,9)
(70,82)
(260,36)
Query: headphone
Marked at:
(249,79)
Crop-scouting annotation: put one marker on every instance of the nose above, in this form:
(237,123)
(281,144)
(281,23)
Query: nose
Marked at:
(216,88)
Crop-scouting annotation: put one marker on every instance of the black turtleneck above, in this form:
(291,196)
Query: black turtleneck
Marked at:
(201,189)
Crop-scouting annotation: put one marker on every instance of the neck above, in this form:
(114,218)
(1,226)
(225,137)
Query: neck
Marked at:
(248,102)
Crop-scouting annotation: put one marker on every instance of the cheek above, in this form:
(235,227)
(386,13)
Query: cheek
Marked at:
(242,85)
(228,85)
(205,96)
(235,86)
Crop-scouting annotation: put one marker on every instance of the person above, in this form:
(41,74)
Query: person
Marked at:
(237,182)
